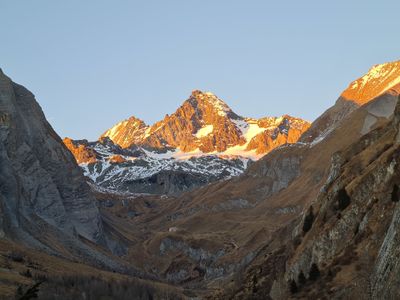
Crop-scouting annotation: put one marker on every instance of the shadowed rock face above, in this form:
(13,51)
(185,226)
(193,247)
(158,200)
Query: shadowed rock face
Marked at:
(41,185)
(355,233)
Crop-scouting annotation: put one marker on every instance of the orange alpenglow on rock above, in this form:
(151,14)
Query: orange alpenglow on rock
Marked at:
(81,152)
(206,124)
(116,159)
(379,79)
(127,132)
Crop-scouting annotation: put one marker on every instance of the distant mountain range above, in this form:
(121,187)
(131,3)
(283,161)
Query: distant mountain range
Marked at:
(201,142)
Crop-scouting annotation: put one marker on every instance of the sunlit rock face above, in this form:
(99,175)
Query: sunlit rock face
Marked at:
(127,132)
(206,124)
(201,142)
(81,151)
(380,81)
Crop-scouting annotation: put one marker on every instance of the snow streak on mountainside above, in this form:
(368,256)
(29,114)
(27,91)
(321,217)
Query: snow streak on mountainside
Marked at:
(137,170)
(201,142)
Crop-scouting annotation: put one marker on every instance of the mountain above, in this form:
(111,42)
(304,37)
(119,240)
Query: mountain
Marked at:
(207,124)
(201,142)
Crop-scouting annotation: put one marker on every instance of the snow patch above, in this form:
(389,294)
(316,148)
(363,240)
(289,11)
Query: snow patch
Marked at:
(249,131)
(206,130)
(112,132)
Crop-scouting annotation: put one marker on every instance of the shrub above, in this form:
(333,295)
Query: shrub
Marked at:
(40,277)
(16,256)
(80,287)
(314,272)
(395,193)
(301,278)
(31,293)
(27,273)
(343,199)
(293,287)
(296,241)
(308,220)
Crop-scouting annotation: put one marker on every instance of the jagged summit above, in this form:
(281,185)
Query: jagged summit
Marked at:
(205,123)
(199,98)
(127,132)
(379,79)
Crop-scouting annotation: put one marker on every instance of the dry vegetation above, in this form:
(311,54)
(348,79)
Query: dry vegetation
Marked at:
(22,271)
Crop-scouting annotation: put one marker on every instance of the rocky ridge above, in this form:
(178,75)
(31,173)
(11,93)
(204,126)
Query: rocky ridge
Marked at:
(380,79)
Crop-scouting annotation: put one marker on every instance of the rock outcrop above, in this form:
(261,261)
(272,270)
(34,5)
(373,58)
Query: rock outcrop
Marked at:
(81,151)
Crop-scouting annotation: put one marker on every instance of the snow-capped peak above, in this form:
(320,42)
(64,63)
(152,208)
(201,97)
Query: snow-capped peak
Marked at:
(205,123)
(379,79)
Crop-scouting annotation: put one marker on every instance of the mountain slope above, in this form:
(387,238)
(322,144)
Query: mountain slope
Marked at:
(356,218)
(342,245)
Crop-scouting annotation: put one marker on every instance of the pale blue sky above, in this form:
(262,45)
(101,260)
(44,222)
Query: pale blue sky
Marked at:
(93,63)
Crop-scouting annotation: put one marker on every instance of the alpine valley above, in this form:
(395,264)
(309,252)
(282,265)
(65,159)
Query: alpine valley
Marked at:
(205,204)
